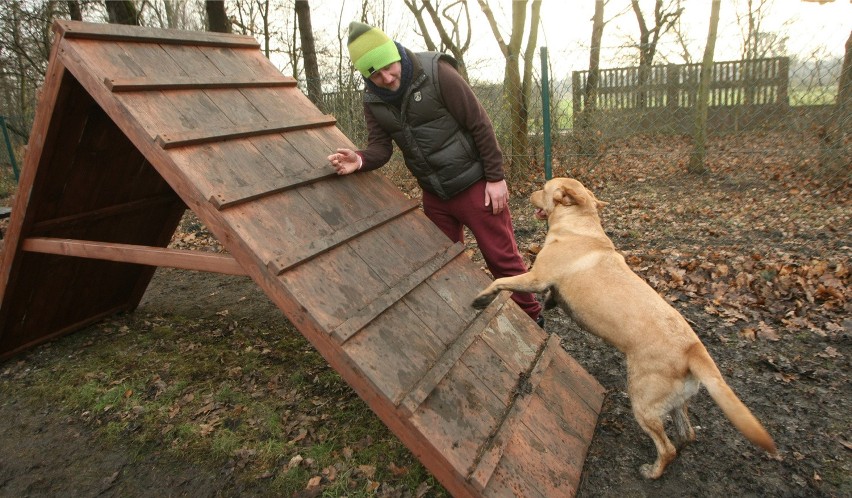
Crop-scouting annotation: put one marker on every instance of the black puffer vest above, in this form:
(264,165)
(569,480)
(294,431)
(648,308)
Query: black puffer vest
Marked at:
(441,156)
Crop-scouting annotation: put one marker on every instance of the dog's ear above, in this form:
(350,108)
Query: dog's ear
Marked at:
(567,196)
(598,203)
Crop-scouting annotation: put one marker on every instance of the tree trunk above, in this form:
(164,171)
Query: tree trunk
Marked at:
(514,90)
(74,10)
(699,137)
(122,12)
(646,56)
(217,18)
(309,52)
(648,39)
(834,148)
(588,142)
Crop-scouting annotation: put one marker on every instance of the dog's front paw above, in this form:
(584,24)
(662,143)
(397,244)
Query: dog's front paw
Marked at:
(482,301)
(651,471)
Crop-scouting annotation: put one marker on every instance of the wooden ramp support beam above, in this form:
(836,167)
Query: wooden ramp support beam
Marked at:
(136,125)
(126,253)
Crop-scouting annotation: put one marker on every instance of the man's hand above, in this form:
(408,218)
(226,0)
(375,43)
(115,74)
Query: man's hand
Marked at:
(496,196)
(345,161)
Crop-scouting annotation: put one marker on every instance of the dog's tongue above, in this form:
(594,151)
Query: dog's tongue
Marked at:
(540,214)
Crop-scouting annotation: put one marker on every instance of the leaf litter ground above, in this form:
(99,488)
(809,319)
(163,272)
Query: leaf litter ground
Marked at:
(206,390)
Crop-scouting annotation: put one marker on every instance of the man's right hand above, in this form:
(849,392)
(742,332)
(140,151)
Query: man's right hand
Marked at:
(345,161)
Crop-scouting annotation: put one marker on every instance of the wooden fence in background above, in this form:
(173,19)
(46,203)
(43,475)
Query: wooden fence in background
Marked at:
(744,94)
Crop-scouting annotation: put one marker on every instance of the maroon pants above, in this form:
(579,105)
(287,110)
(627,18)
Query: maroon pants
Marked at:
(493,232)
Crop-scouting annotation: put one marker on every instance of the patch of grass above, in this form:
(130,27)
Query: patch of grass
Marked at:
(210,392)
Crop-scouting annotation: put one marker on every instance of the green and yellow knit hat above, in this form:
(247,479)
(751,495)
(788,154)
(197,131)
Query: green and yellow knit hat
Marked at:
(370,48)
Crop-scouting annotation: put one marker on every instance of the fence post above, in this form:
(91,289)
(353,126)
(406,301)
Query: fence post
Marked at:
(9,147)
(783,80)
(576,106)
(545,107)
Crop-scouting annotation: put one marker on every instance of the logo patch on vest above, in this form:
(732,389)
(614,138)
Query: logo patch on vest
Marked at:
(418,97)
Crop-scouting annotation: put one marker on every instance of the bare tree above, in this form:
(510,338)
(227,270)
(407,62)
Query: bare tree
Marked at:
(517,88)
(25,38)
(699,136)
(457,16)
(309,53)
(758,43)
(679,33)
(217,18)
(665,18)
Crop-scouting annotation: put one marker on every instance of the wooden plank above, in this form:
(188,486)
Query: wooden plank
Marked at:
(486,461)
(394,351)
(9,349)
(500,377)
(116,210)
(195,137)
(459,415)
(309,251)
(143,255)
(516,344)
(581,408)
(528,470)
(558,436)
(367,314)
(194,82)
(414,398)
(117,32)
(241,194)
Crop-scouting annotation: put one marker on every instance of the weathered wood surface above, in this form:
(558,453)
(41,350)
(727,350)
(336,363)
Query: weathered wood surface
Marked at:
(490,403)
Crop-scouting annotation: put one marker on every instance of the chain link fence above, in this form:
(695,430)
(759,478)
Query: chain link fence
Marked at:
(778,144)
(13,139)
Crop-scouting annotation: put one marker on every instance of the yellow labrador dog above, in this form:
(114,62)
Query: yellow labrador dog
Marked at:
(666,362)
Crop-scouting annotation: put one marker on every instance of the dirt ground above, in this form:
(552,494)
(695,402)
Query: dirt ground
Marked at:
(798,385)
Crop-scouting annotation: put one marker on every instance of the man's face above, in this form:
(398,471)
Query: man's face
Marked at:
(388,77)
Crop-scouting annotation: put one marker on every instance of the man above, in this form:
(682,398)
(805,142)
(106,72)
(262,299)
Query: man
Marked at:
(422,103)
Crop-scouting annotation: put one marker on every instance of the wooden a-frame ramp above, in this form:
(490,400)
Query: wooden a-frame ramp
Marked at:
(135,125)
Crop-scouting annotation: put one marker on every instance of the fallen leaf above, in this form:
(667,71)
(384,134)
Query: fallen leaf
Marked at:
(397,471)
(768,333)
(330,473)
(303,433)
(422,489)
(314,482)
(830,352)
(294,462)
(368,470)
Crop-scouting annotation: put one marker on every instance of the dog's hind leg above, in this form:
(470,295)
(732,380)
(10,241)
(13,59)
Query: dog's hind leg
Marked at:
(650,397)
(666,452)
(680,417)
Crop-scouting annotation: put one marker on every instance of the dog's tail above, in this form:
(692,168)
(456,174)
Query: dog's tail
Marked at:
(702,366)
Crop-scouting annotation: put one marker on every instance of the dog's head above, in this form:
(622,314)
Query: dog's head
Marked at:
(564,192)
